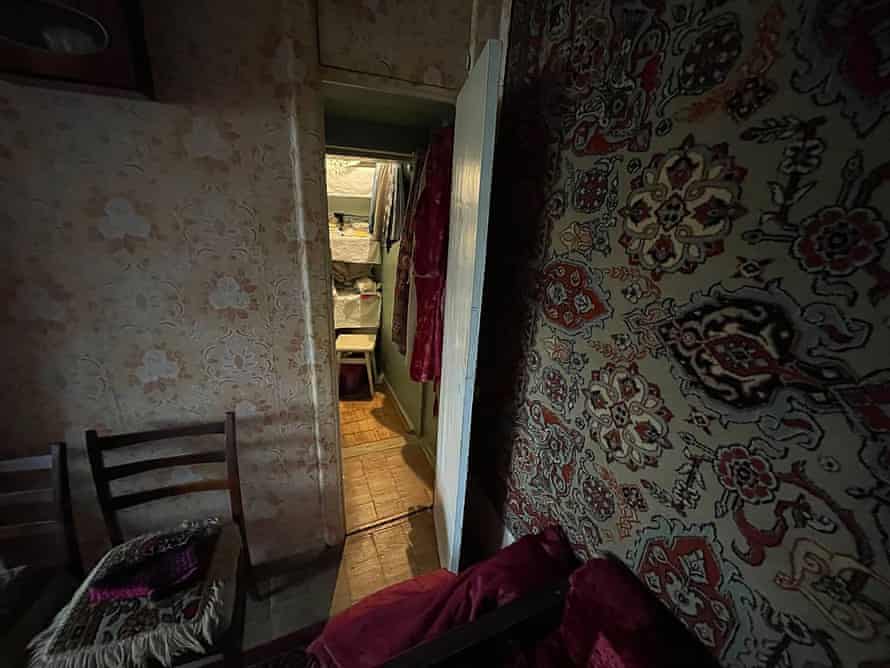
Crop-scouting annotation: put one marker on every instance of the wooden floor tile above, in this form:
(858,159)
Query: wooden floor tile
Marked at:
(372,420)
(385,555)
(361,515)
(380,486)
(386,481)
(369,561)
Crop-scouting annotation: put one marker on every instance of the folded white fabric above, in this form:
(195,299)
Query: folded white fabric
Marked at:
(366,285)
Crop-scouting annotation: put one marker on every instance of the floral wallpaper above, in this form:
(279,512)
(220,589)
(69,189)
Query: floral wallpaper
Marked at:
(420,42)
(486,23)
(164,262)
(693,197)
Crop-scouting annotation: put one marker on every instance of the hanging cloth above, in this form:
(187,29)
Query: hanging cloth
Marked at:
(404,272)
(411,324)
(372,202)
(393,212)
(381,203)
(431,258)
(393,223)
(401,192)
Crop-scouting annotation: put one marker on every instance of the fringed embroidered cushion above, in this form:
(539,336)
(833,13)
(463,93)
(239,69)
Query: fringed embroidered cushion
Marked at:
(127,633)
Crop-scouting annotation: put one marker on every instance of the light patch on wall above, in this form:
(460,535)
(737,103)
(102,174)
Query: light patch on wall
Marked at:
(205,141)
(227,293)
(156,366)
(122,220)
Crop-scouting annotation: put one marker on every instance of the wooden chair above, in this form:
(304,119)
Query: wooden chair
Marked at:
(37,544)
(229,639)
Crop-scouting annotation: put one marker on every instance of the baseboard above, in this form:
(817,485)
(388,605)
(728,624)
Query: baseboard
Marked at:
(402,412)
(428,450)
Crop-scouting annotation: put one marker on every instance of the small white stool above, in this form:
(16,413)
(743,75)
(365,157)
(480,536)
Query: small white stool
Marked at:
(358,349)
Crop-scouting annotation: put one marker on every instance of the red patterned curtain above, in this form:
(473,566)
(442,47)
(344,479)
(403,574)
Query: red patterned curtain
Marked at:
(430,258)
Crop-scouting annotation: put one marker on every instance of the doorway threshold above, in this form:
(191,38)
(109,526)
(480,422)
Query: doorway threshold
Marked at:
(378,446)
(370,526)
(385,481)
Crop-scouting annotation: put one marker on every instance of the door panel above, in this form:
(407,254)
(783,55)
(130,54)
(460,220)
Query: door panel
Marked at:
(474,134)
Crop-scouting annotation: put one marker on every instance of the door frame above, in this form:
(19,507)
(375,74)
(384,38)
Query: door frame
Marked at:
(383,154)
(371,154)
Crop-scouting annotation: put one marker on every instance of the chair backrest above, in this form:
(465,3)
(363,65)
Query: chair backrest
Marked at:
(103,474)
(36,525)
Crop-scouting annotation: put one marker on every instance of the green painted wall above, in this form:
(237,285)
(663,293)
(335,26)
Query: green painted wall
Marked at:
(392,362)
(430,421)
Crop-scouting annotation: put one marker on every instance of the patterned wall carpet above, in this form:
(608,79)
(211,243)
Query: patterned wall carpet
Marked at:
(691,224)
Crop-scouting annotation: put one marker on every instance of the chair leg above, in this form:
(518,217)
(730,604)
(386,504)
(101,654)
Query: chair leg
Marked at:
(233,659)
(232,654)
(253,589)
(370,369)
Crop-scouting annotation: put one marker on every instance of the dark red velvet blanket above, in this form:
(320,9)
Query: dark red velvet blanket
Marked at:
(610,619)
(403,615)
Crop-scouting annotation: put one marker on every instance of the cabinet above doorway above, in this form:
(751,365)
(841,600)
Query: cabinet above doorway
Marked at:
(405,47)
(415,42)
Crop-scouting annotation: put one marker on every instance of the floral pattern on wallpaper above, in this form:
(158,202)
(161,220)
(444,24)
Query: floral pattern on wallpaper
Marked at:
(702,386)
(164,262)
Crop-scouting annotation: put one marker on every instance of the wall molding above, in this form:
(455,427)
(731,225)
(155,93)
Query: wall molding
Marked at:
(428,450)
(402,411)
(421,441)
(344,77)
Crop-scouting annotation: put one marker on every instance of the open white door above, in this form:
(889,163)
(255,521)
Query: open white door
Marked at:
(474,134)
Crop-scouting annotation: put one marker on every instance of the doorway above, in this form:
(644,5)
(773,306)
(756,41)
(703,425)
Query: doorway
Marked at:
(456,174)
(387,443)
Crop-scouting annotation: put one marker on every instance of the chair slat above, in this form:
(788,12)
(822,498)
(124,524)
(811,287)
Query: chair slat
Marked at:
(30,529)
(35,512)
(38,463)
(122,440)
(137,498)
(134,468)
(34,550)
(14,481)
(26,513)
(28,496)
